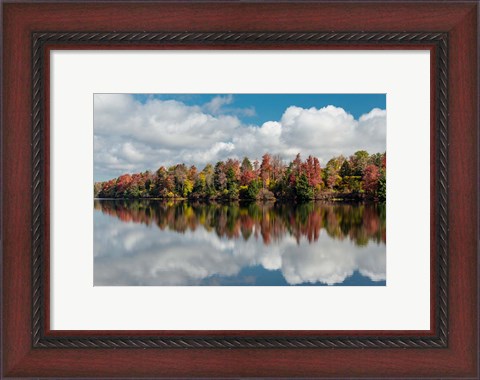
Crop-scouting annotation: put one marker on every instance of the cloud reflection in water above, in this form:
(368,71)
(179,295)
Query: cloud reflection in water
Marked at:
(158,243)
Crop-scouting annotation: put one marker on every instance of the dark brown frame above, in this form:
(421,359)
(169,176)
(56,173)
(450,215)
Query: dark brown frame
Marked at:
(32,349)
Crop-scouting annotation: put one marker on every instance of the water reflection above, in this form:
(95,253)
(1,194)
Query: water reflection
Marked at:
(144,242)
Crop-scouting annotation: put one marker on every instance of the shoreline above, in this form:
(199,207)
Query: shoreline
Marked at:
(334,199)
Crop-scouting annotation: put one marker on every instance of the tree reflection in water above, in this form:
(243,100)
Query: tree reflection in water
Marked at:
(152,242)
(360,223)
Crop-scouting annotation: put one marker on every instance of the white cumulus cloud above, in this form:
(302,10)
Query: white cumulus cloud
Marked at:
(133,136)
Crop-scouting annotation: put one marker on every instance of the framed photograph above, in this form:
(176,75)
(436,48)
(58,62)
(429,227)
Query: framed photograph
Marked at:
(200,189)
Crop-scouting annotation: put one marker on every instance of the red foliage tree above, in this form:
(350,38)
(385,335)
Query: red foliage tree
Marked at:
(123,183)
(247,177)
(313,171)
(266,168)
(371,175)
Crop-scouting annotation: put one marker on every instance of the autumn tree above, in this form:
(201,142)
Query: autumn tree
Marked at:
(246,165)
(220,178)
(331,175)
(246,172)
(382,186)
(123,185)
(359,161)
(182,185)
(209,173)
(266,170)
(313,171)
(371,176)
(277,168)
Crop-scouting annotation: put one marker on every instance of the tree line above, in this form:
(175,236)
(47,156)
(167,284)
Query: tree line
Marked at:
(356,177)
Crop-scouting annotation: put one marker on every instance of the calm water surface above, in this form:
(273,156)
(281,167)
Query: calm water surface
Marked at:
(152,242)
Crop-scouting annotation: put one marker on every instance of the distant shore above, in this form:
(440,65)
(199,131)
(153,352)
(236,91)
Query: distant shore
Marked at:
(327,197)
(361,176)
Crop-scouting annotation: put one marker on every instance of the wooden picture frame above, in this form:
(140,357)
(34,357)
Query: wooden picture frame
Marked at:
(448,30)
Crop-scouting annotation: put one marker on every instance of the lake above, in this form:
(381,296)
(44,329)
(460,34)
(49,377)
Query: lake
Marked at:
(155,243)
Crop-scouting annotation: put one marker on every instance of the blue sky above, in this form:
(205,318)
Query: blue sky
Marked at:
(271,106)
(138,132)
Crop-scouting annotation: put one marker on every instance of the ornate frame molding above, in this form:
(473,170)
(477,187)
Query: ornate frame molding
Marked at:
(40,39)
